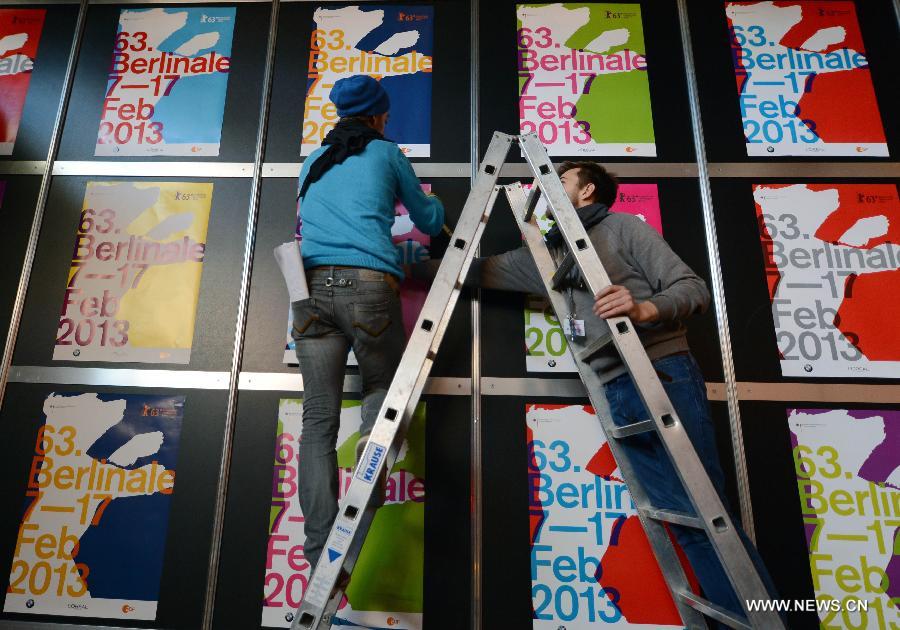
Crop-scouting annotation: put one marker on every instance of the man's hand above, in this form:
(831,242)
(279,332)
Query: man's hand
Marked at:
(616,300)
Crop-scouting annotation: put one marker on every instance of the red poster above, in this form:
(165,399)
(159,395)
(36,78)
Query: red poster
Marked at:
(20,32)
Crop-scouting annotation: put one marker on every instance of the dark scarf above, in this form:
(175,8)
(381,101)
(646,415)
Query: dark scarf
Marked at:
(349,137)
(588,215)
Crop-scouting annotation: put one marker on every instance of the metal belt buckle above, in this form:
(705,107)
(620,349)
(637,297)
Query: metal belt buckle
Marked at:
(329,281)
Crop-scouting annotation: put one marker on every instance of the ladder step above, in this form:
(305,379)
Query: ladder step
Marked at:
(644,426)
(596,346)
(714,611)
(675,517)
(531,201)
(562,271)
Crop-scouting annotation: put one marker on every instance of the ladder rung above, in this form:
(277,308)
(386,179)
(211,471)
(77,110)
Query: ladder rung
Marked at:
(644,426)
(675,517)
(562,271)
(714,611)
(531,201)
(596,346)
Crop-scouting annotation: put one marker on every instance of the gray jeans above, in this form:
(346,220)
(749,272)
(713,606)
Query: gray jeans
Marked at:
(357,308)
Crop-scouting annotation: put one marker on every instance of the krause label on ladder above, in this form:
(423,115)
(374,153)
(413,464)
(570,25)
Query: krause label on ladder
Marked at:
(369,464)
(340,541)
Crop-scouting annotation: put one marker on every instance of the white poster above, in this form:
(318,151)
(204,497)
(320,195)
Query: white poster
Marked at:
(591,564)
(167,82)
(803,79)
(832,269)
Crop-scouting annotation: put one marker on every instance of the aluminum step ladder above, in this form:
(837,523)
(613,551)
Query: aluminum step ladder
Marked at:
(321,600)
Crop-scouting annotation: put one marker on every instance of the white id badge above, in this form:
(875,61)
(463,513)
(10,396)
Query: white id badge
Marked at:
(578,324)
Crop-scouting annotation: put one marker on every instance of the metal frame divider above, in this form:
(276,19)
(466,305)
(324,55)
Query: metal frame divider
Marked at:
(240,328)
(715,270)
(476,487)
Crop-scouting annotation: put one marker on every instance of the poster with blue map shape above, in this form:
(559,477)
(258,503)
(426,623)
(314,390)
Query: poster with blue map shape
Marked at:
(391,43)
(167,82)
(93,533)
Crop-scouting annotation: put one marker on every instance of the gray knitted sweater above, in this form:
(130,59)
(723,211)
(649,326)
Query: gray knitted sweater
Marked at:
(635,256)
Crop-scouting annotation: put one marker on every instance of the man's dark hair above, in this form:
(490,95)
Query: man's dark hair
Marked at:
(605,183)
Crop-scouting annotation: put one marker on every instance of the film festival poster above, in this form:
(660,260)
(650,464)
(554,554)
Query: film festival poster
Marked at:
(849,492)
(591,562)
(832,267)
(803,80)
(20,34)
(93,531)
(583,85)
(132,288)
(413,246)
(546,341)
(167,82)
(392,43)
(387,586)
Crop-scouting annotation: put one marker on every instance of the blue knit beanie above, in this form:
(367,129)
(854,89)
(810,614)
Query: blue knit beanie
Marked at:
(359,95)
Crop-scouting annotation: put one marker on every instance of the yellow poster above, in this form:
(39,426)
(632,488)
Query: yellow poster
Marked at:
(135,275)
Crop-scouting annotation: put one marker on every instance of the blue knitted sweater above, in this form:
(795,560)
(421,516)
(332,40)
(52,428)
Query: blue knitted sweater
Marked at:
(347,215)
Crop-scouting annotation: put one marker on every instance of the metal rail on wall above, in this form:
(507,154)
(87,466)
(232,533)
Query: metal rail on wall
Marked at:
(476,481)
(218,528)
(31,249)
(715,270)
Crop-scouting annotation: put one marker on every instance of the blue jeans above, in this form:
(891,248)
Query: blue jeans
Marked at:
(683,382)
(347,308)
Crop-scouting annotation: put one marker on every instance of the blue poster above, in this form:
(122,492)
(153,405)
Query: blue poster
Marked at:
(93,533)
(392,43)
(167,82)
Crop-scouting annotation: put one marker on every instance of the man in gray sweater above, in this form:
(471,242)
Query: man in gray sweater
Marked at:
(657,290)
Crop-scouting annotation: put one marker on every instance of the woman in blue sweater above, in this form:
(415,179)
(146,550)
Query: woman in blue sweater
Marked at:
(348,190)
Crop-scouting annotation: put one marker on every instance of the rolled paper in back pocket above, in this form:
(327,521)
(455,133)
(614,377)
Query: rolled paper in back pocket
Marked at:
(291,264)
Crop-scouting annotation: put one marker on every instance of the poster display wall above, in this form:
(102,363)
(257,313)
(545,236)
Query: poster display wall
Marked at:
(392,43)
(795,63)
(546,344)
(20,34)
(93,533)
(387,589)
(849,493)
(583,85)
(591,563)
(412,244)
(167,82)
(833,273)
(132,289)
